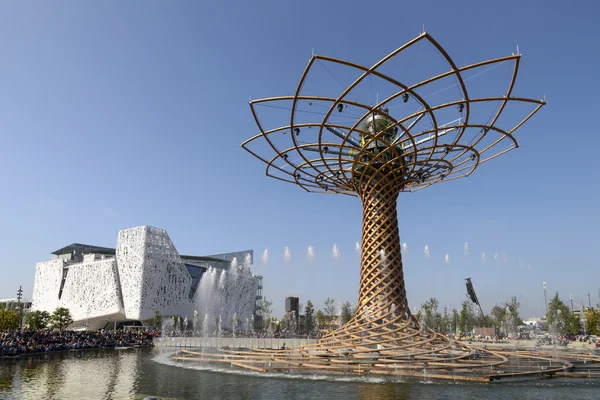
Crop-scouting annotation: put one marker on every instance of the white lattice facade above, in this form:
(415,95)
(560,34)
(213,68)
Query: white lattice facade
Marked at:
(143,274)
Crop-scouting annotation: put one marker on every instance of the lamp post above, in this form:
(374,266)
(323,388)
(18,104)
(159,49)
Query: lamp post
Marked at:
(571,299)
(19,297)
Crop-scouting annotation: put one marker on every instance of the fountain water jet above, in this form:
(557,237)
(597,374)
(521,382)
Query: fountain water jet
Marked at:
(335,253)
(287,256)
(310,254)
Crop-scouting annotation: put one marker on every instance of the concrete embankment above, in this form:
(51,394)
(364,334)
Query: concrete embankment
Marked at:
(531,345)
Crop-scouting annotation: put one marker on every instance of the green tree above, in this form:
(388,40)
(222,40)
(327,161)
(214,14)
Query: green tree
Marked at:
(467,319)
(445,321)
(431,317)
(592,317)
(61,318)
(309,317)
(321,319)
(157,319)
(265,309)
(330,311)
(513,308)
(560,319)
(330,308)
(37,319)
(498,315)
(9,320)
(347,311)
(455,319)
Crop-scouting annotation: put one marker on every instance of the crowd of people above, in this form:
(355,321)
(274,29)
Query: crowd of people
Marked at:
(14,343)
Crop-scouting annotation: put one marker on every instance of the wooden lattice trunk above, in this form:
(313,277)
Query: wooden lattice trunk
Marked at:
(381,277)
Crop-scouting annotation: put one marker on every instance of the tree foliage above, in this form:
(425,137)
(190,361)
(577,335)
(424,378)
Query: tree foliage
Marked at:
(560,319)
(9,320)
(347,312)
(321,319)
(467,317)
(38,319)
(309,317)
(592,317)
(330,308)
(429,313)
(506,317)
(61,318)
(512,309)
(157,320)
(266,307)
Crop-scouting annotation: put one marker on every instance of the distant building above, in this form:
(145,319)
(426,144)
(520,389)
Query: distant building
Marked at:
(535,323)
(292,313)
(111,287)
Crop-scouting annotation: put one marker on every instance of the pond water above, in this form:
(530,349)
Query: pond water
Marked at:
(137,373)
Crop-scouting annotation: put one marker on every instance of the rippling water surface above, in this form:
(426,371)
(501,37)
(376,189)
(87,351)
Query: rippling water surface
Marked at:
(137,373)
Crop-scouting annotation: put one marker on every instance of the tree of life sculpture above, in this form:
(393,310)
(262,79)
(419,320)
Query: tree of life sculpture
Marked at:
(378,155)
(375,156)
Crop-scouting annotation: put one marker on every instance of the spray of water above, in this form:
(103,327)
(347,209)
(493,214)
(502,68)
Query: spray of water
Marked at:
(427,253)
(447,258)
(265,257)
(335,253)
(222,279)
(496,258)
(310,254)
(404,248)
(466,249)
(483,258)
(357,246)
(287,256)
(382,255)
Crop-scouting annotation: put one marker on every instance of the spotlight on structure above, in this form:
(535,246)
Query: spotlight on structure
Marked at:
(461,107)
(405,97)
(325,149)
(473,157)
(297,131)
(340,107)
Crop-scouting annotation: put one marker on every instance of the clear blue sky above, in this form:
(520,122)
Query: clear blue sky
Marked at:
(118,114)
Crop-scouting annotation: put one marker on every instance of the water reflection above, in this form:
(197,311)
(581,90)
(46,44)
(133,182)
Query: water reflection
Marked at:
(135,374)
(83,375)
(383,392)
